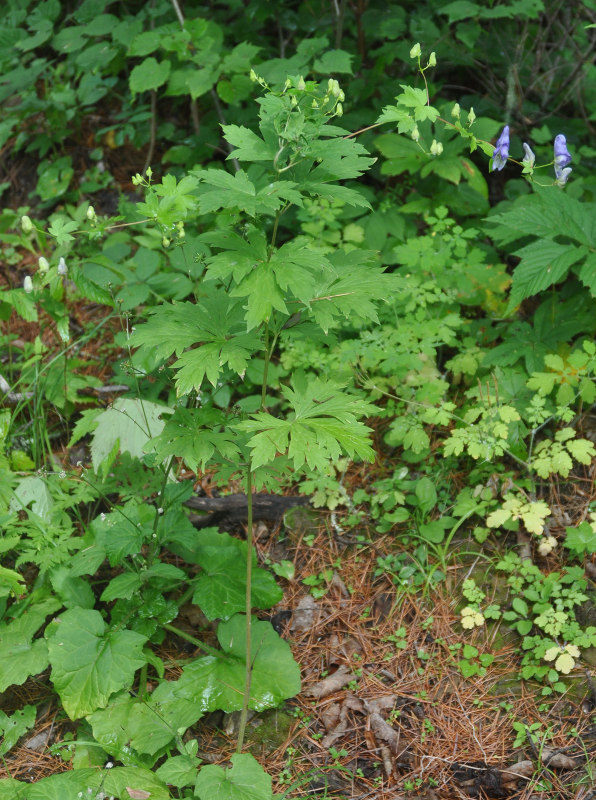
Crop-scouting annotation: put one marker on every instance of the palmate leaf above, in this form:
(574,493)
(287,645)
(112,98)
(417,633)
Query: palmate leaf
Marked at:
(196,435)
(249,146)
(543,263)
(229,191)
(353,289)
(322,427)
(217,682)
(89,663)
(547,213)
(215,323)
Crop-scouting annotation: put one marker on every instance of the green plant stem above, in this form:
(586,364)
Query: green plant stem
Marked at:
(211,651)
(142,682)
(265,370)
(248,653)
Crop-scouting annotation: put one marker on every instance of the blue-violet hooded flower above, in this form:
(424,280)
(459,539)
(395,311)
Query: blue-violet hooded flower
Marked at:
(562,159)
(501,151)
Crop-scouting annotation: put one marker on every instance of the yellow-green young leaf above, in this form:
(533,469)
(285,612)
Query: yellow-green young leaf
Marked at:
(561,463)
(564,663)
(498,518)
(582,450)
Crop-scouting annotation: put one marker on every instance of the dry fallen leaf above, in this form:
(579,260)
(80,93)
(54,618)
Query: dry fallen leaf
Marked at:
(138,794)
(305,613)
(551,758)
(332,683)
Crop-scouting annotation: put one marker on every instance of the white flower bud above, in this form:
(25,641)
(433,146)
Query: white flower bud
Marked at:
(28,284)
(415,134)
(339,110)
(62,268)
(432,60)
(43,264)
(91,212)
(149,172)
(416,51)
(471,116)
(26,224)
(436,148)
(455,111)
(301,85)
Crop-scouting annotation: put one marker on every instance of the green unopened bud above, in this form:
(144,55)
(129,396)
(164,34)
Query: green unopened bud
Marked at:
(28,284)
(26,224)
(165,242)
(436,148)
(293,101)
(149,172)
(314,104)
(455,111)
(253,76)
(416,51)
(43,264)
(91,211)
(339,110)
(415,134)
(471,116)
(180,227)
(301,85)
(432,60)
(341,96)
(336,91)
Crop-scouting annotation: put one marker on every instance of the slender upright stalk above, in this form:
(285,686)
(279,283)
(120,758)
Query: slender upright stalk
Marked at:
(248,649)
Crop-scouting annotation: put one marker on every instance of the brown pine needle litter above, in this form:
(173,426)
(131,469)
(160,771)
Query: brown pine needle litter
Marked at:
(384,711)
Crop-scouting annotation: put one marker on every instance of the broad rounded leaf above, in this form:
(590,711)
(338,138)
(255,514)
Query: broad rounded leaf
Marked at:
(90,664)
(245,780)
(218,682)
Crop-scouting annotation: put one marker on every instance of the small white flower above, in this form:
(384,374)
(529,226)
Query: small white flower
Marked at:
(28,284)
(44,264)
(62,268)
(109,765)
(91,213)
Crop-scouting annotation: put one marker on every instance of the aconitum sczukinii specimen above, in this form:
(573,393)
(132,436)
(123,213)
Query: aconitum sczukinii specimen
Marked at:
(501,151)
(562,159)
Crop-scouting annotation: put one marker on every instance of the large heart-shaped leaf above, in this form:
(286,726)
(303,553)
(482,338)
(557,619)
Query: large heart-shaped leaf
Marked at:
(218,682)
(89,663)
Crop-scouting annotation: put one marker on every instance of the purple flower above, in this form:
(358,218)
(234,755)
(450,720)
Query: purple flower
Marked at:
(562,159)
(501,151)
